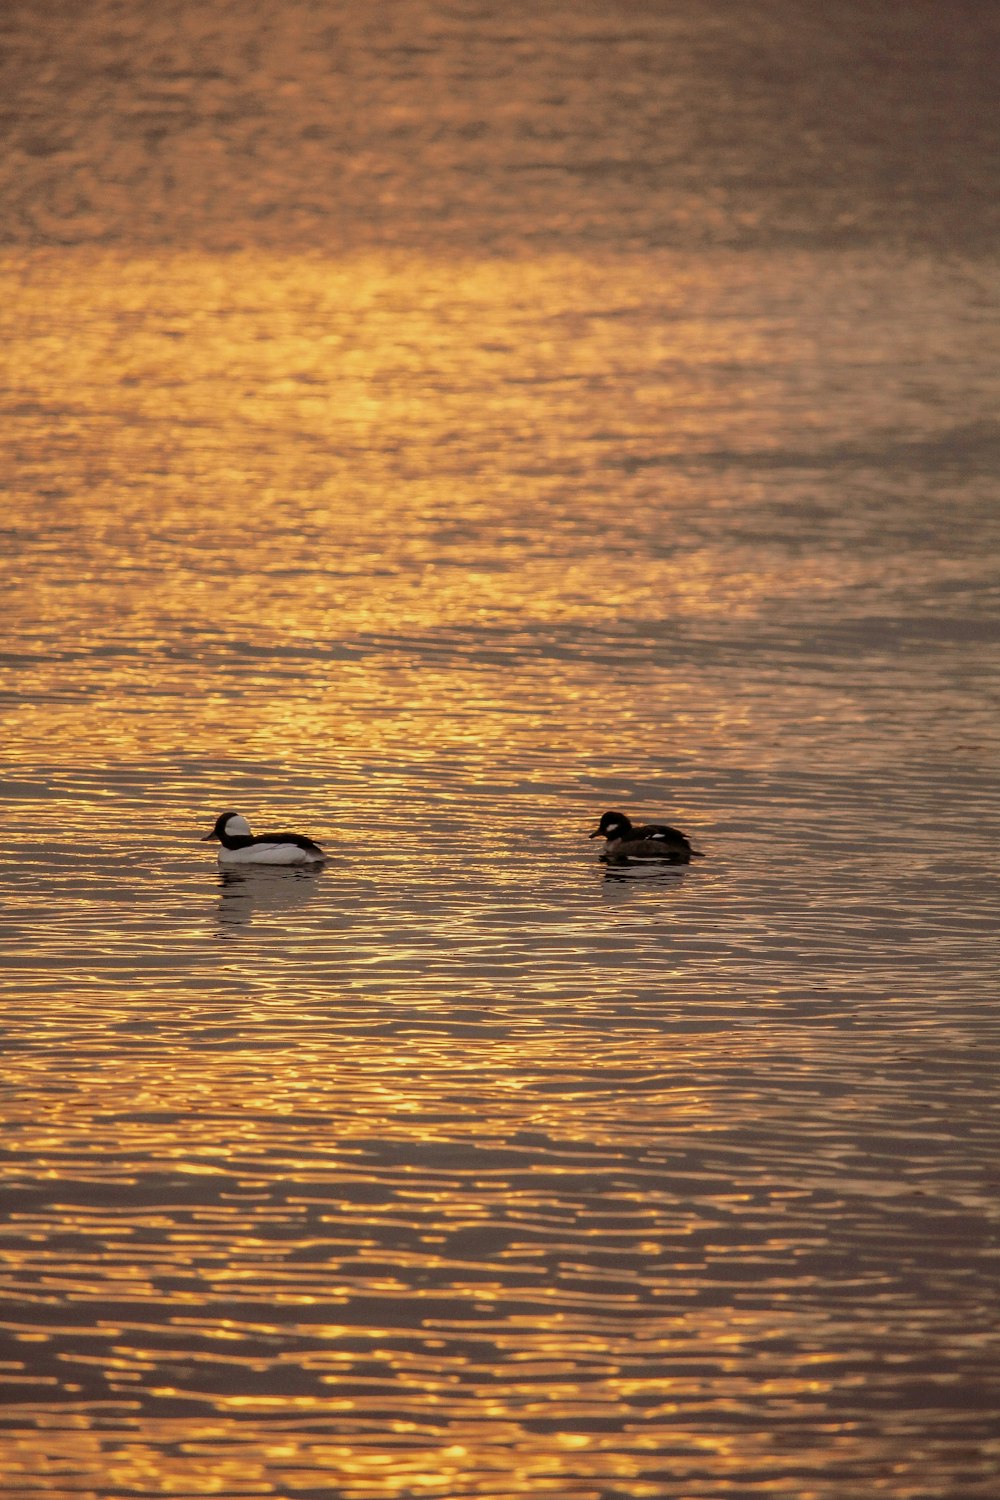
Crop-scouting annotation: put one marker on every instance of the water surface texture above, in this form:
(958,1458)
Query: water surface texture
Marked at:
(426,427)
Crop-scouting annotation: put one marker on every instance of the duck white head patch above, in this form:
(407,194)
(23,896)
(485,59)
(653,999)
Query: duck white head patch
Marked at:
(236,826)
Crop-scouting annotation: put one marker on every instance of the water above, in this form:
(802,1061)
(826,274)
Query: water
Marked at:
(429,463)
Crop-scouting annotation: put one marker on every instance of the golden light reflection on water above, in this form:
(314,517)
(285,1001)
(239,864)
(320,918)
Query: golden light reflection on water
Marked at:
(457,1168)
(366,501)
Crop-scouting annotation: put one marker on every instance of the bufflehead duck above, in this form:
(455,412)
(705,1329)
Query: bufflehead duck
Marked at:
(239,847)
(647,841)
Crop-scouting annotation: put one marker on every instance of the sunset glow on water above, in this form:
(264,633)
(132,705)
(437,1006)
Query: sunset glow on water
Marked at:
(467,1165)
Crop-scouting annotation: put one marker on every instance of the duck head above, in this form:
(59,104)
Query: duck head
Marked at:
(613,825)
(230,823)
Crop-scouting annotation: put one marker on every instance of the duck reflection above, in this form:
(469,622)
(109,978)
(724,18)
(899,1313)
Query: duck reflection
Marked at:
(249,891)
(620,872)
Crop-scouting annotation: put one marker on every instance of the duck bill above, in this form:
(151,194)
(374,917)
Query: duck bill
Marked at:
(207,837)
(597,833)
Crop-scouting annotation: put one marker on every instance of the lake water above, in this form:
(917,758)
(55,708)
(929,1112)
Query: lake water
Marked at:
(426,428)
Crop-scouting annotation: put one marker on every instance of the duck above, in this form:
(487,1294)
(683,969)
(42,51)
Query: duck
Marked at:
(240,847)
(626,840)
